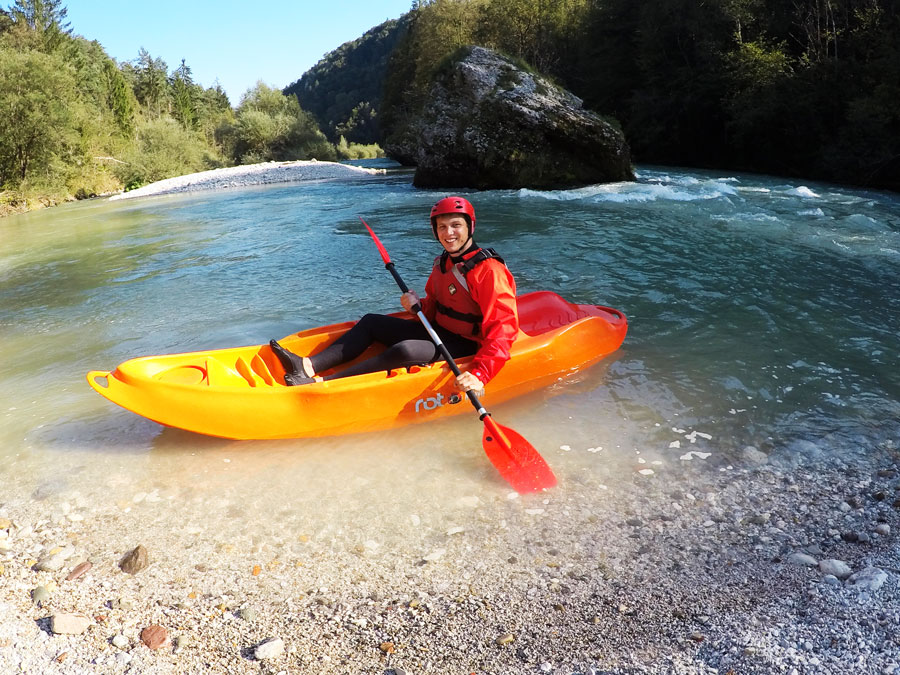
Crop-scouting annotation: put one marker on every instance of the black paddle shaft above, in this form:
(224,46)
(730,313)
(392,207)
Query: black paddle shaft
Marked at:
(417,308)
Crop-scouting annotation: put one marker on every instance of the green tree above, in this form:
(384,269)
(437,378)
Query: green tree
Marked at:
(120,98)
(435,29)
(537,31)
(38,112)
(347,83)
(214,113)
(163,149)
(347,150)
(271,126)
(442,27)
(608,70)
(6,22)
(151,85)
(361,126)
(184,94)
(46,19)
(759,75)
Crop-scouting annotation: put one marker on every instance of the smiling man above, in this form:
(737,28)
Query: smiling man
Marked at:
(470,296)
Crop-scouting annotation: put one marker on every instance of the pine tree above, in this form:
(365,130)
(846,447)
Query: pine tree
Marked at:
(183,95)
(46,18)
(121,98)
(151,85)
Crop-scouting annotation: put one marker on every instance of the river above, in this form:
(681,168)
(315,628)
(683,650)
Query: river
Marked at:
(762,312)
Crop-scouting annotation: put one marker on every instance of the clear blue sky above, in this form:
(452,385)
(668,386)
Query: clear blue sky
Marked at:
(275,41)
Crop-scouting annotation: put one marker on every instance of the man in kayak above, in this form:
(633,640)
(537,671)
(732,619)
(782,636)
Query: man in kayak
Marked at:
(470,298)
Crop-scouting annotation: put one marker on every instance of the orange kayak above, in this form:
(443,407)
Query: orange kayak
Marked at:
(240,392)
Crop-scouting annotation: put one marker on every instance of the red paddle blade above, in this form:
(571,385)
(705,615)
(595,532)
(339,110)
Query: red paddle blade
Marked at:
(515,458)
(381,249)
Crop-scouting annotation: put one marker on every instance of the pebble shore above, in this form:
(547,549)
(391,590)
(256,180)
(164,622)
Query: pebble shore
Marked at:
(786,562)
(250,174)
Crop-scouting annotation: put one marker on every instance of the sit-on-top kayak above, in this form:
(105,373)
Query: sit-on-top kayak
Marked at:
(240,392)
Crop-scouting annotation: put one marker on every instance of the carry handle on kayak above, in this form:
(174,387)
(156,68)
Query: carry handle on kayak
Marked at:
(96,386)
(514,457)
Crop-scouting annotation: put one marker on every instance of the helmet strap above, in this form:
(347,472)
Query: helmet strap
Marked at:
(470,245)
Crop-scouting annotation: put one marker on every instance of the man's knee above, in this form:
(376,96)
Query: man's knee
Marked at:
(368,325)
(368,319)
(411,352)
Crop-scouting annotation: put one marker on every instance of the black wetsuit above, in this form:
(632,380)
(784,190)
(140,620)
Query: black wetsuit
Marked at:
(407,342)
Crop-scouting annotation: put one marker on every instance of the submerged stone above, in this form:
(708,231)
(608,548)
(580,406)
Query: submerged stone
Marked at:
(155,637)
(837,568)
(40,595)
(135,560)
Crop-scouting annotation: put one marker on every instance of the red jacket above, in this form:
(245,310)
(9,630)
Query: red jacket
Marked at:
(485,313)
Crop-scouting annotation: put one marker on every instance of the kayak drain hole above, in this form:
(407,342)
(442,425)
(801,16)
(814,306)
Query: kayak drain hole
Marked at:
(102,381)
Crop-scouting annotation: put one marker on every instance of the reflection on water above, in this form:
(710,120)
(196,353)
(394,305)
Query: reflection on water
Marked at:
(760,313)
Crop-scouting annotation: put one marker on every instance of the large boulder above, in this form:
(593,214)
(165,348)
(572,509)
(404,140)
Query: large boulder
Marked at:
(489,124)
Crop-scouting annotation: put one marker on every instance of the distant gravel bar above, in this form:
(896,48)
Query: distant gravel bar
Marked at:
(250,174)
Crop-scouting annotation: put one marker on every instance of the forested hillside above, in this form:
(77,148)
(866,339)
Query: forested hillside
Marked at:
(76,123)
(806,88)
(343,90)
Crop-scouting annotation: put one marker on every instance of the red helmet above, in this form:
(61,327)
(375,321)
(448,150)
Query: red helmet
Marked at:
(453,205)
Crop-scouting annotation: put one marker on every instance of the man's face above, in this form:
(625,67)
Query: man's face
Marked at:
(452,232)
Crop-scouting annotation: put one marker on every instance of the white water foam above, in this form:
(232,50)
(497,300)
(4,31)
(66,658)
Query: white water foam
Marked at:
(803,192)
(686,189)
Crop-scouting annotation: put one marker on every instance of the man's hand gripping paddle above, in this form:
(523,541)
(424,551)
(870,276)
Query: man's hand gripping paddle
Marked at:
(514,457)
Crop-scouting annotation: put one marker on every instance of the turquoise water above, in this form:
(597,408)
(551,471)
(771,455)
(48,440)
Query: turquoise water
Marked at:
(762,312)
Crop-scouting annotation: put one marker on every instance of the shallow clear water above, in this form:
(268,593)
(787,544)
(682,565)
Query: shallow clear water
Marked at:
(762,312)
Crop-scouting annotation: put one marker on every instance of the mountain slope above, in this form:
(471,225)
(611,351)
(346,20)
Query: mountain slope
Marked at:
(343,91)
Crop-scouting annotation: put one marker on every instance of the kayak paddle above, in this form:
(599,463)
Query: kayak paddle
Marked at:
(514,457)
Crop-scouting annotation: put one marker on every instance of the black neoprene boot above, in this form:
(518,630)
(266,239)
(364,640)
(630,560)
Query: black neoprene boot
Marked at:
(294,372)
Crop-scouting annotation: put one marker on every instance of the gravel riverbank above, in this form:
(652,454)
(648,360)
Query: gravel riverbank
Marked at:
(775,563)
(250,174)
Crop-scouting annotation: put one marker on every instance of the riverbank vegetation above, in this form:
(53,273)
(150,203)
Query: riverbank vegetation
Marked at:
(75,123)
